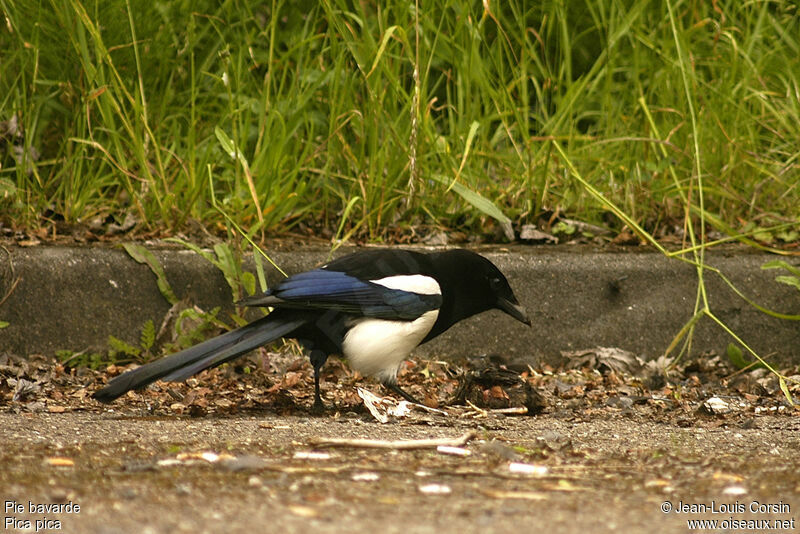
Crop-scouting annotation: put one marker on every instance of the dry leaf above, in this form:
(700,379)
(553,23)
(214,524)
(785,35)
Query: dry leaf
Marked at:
(59,461)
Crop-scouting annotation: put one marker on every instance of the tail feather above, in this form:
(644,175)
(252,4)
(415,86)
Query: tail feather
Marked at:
(205,355)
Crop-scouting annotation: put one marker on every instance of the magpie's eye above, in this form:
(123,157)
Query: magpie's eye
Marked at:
(495,283)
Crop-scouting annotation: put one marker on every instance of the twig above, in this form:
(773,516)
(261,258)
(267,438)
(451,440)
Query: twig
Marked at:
(66,362)
(428,409)
(15,280)
(397,445)
(480,412)
(512,410)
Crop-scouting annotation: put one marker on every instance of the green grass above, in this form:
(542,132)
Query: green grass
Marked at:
(134,107)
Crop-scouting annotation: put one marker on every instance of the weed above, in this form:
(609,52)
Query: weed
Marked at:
(305,111)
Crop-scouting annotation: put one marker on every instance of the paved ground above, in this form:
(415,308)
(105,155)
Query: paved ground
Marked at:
(612,473)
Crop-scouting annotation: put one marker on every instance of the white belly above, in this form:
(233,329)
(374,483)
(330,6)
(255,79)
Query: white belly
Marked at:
(377,347)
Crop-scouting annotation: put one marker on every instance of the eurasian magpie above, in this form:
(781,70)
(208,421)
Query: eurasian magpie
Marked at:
(373,307)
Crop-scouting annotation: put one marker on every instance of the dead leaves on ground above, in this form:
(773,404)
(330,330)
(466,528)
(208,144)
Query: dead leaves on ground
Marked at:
(591,383)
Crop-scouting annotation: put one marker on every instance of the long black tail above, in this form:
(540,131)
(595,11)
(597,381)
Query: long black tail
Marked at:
(205,355)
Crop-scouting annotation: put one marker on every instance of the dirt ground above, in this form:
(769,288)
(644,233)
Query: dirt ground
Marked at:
(609,474)
(606,452)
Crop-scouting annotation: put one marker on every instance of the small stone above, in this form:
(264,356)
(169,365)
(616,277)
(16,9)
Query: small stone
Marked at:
(716,406)
(734,490)
(435,489)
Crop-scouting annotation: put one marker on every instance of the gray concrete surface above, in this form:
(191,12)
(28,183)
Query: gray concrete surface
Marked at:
(75,297)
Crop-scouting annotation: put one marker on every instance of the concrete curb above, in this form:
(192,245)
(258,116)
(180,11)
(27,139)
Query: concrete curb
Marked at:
(75,297)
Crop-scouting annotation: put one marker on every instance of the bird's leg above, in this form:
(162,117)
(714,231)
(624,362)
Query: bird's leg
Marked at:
(318,358)
(318,408)
(394,388)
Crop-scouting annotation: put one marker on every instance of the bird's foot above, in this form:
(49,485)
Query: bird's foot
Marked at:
(318,408)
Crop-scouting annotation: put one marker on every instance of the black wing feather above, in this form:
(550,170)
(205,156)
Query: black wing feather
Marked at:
(210,353)
(323,289)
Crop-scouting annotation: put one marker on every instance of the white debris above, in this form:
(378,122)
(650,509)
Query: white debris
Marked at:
(519,468)
(453,451)
(210,457)
(382,408)
(716,406)
(734,490)
(311,455)
(366,477)
(435,489)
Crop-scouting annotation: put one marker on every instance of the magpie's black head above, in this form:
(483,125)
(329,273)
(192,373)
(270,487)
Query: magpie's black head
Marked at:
(504,298)
(474,284)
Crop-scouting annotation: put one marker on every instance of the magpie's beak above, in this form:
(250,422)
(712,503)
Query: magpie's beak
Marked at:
(514,309)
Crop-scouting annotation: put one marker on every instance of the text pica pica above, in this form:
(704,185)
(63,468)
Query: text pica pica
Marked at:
(373,307)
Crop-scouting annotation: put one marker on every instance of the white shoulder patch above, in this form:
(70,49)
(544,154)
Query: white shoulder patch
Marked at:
(413,283)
